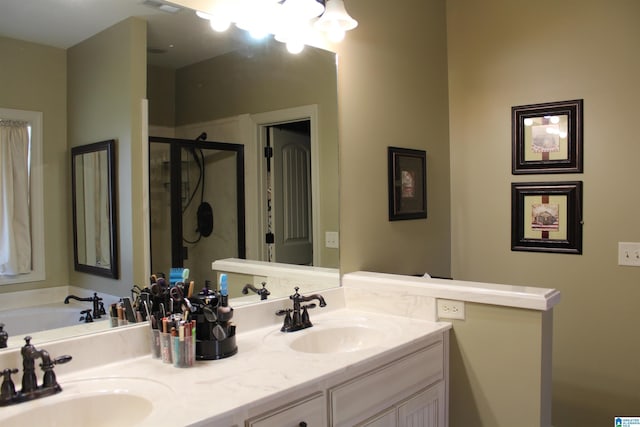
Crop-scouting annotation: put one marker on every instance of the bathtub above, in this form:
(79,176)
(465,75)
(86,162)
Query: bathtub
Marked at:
(51,319)
(26,320)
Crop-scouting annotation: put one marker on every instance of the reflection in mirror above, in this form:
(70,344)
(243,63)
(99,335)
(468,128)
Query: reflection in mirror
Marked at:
(94,218)
(282,83)
(254,281)
(43,314)
(197,209)
(257,95)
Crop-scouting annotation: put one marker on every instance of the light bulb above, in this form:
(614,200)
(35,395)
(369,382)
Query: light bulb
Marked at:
(219,24)
(528,122)
(295,47)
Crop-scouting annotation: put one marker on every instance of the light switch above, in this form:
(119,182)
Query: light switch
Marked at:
(629,253)
(331,239)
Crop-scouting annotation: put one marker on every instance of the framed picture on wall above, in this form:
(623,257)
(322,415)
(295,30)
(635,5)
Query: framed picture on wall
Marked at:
(546,217)
(547,138)
(407,183)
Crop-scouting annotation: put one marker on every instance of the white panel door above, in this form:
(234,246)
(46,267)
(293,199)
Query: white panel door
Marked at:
(293,225)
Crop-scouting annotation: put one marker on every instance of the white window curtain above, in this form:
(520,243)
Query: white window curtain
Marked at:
(15,223)
(95,206)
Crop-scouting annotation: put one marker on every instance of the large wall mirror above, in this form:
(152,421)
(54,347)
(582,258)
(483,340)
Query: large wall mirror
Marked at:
(93,186)
(197,84)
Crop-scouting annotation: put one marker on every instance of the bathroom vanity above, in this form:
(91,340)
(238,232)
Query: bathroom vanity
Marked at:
(372,358)
(352,367)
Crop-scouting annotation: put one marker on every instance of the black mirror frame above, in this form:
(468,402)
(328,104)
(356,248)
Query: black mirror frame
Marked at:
(109,147)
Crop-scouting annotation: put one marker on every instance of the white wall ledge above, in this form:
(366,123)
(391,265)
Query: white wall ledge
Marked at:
(330,276)
(527,297)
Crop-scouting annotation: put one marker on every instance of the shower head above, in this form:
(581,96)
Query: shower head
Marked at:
(202,136)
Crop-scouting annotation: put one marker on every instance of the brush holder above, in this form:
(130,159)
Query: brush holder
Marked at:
(215,340)
(214,349)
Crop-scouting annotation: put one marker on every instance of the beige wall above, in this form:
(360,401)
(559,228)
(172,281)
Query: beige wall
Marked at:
(161,88)
(34,78)
(392,86)
(496,372)
(504,53)
(107,83)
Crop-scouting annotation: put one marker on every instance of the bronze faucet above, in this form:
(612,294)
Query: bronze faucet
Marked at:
(300,319)
(30,389)
(98,305)
(264,293)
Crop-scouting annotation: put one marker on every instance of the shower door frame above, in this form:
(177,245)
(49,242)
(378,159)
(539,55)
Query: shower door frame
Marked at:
(175,160)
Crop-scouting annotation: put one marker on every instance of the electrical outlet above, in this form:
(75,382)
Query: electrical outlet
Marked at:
(449,309)
(629,253)
(331,239)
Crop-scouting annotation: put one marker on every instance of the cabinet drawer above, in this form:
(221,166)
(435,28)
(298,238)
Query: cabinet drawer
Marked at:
(308,412)
(355,400)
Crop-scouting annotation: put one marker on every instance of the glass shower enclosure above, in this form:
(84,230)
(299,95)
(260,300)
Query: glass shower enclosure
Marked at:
(196,204)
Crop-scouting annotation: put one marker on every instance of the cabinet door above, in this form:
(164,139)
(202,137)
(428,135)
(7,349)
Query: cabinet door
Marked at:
(359,398)
(426,409)
(309,412)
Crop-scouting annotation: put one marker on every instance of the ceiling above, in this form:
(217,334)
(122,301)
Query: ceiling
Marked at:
(173,39)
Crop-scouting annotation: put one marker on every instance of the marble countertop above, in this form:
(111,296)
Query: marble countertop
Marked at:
(264,370)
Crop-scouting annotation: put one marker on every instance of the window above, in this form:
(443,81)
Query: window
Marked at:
(33,234)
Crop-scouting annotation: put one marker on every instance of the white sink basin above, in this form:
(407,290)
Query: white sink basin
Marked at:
(92,402)
(337,340)
(337,332)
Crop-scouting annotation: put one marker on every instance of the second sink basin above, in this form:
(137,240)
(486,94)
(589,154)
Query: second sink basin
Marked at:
(341,331)
(337,339)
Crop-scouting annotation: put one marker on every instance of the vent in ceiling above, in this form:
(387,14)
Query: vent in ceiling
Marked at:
(161,6)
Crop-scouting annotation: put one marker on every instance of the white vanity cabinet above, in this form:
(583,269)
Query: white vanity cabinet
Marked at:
(407,389)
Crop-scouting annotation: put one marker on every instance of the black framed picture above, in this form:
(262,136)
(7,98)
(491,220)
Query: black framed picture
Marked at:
(546,217)
(407,183)
(547,138)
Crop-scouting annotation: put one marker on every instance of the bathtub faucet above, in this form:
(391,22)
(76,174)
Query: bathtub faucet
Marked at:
(98,305)
(264,292)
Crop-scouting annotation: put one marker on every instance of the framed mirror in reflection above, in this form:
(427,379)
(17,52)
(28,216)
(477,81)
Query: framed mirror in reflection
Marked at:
(93,187)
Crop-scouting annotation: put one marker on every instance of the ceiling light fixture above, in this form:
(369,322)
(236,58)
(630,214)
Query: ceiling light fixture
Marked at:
(293,22)
(335,20)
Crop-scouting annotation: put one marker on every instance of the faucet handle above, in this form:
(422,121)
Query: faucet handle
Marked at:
(8,388)
(86,316)
(49,380)
(62,359)
(288,322)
